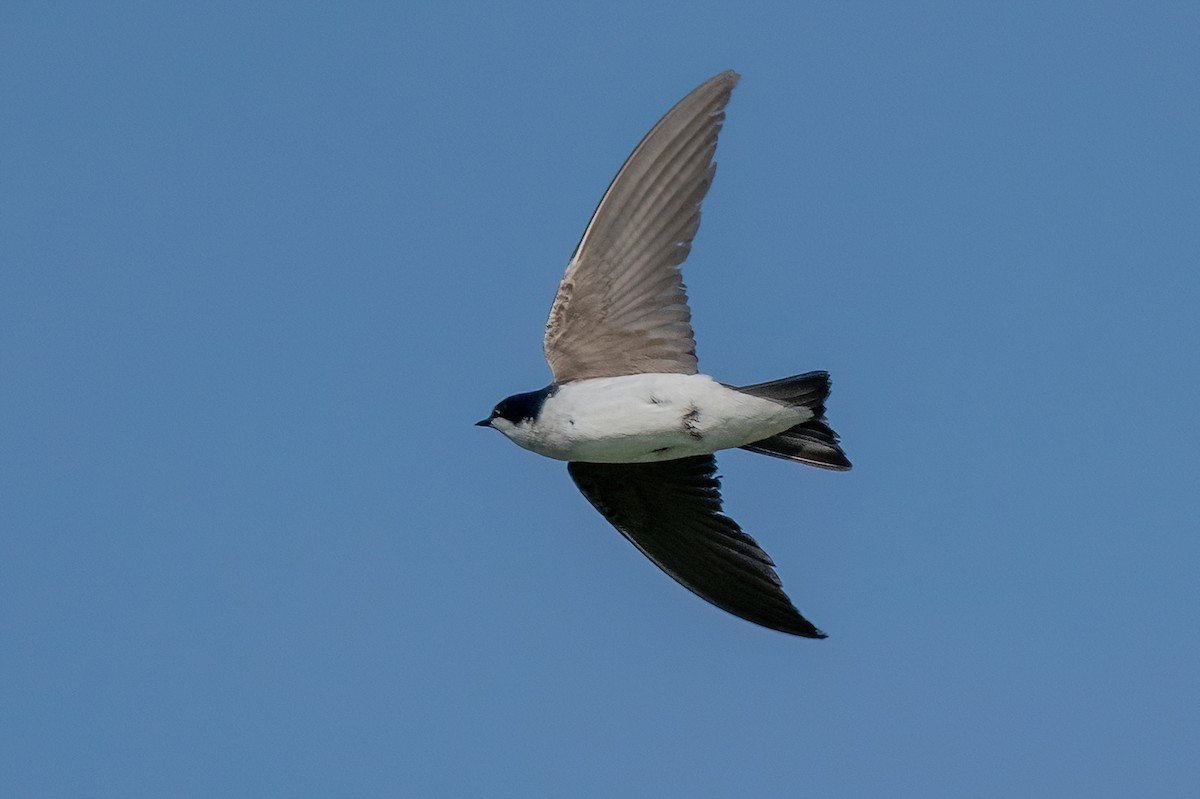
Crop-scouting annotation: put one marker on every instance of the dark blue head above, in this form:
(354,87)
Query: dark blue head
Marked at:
(520,407)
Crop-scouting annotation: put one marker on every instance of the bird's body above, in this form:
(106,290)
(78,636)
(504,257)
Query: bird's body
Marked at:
(628,409)
(648,417)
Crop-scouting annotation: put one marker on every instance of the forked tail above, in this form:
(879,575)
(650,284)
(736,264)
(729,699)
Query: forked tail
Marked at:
(812,442)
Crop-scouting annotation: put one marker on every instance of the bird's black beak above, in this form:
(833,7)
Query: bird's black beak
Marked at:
(484,423)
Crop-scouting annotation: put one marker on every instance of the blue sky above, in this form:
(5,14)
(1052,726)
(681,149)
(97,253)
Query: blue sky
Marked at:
(262,265)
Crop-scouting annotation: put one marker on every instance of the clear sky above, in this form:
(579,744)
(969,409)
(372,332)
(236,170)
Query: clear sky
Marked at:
(263,265)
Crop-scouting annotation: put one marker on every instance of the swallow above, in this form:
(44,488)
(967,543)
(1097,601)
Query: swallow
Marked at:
(628,409)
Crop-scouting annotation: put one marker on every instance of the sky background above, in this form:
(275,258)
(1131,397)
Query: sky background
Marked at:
(262,265)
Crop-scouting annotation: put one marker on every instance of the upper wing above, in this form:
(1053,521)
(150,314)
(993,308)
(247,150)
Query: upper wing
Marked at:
(671,511)
(621,307)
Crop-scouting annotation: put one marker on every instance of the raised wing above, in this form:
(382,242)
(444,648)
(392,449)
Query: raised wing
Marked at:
(621,307)
(671,511)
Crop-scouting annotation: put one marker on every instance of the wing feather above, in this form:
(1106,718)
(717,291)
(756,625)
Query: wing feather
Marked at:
(621,307)
(671,511)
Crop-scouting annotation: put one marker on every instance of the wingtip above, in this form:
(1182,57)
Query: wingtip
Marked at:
(803,628)
(723,82)
(727,79)
(792,623)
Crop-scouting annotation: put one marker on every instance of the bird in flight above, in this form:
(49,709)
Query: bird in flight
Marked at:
(629,411)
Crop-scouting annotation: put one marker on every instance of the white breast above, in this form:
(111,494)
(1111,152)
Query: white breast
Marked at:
(650,417)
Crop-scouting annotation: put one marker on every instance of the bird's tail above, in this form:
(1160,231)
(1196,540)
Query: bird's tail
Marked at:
(812,442)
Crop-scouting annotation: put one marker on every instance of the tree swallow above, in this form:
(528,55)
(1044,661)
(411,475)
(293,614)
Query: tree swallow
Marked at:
(628,410)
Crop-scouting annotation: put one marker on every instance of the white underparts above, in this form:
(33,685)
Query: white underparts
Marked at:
(649,417)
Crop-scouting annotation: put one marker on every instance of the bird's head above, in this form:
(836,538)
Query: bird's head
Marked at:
(519,410)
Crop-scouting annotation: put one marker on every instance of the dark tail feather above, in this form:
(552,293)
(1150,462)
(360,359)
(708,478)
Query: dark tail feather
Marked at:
(812,442)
